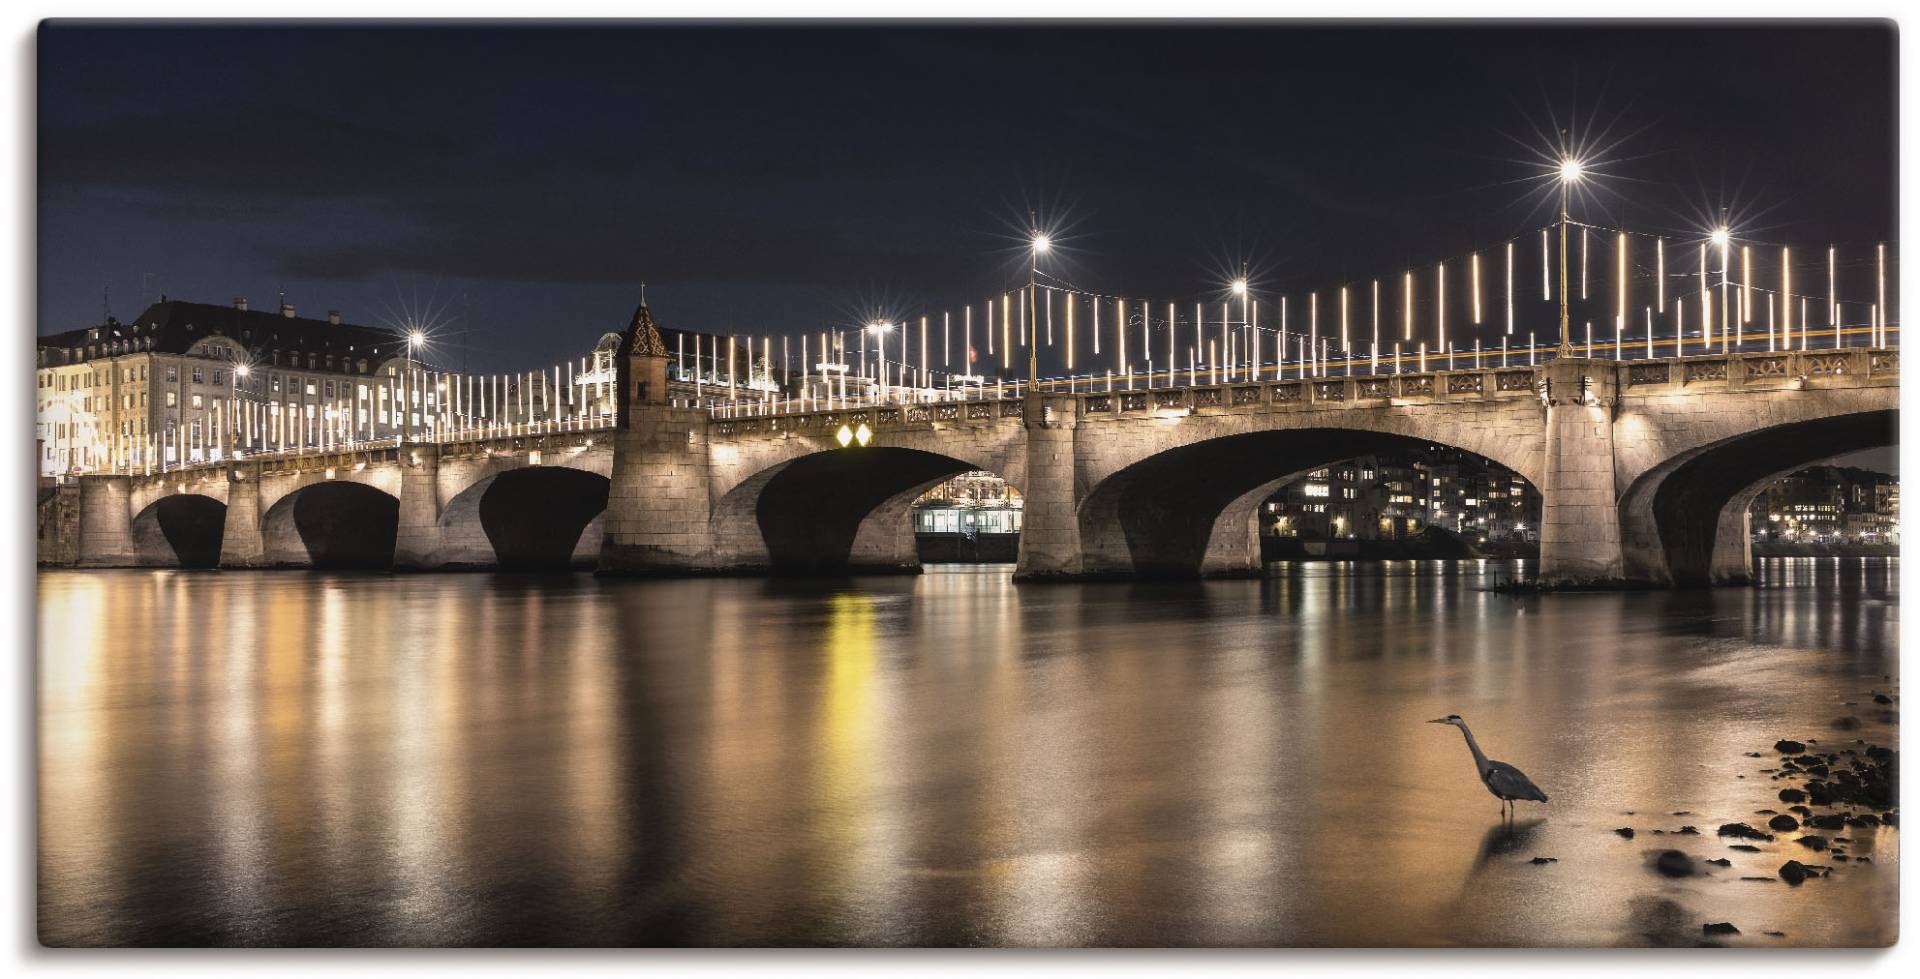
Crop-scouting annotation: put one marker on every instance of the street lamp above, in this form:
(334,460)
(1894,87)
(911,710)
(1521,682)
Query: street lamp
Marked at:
(1571,172)
(1240,289)
(1040,243)
(240,373)
(1722,237)
(880,331)
(410,388)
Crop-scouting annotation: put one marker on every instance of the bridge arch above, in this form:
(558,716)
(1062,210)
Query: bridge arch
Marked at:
(491,523)
(1190,509)
(811,506)
(179,530)
(1685,520)
(332,524)
(1176,495)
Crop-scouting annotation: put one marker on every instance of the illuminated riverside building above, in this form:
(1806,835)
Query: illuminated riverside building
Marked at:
(194,382)
(1394,497)
(187,382)
(1829,505)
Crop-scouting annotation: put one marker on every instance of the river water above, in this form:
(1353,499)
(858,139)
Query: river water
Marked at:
(292,758)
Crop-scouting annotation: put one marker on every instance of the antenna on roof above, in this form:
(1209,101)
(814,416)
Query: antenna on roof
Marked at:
(106,301)
(643,293)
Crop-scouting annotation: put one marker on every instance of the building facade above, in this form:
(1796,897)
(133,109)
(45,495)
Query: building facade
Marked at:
(195,382)
(1395,497)
(1829,505)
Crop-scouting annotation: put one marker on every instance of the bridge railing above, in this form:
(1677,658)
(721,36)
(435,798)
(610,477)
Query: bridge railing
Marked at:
(1395,363)
(411,407)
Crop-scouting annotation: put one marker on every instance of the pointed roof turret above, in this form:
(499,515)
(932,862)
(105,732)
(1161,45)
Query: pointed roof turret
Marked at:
(642,335)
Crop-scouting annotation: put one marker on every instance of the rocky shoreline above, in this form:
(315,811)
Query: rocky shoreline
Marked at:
(1835,800)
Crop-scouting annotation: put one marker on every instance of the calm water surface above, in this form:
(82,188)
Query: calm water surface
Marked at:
(289,758)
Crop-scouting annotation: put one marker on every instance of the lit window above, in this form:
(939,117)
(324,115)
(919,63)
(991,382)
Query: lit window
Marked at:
(1316,489)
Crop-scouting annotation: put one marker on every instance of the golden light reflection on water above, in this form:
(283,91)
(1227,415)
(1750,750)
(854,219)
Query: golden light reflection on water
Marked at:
(947,759)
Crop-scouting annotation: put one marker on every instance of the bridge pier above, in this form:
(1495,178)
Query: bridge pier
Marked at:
(106,522)
(1579,511)
(416,542)
(885,542)
(241,543)
(1050,522)
(1732,550)
(658,510)
(1233,549)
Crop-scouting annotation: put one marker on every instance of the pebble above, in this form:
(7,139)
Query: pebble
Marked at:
(1625,831)
(1742,831)
(1673,863)
(1793,872)
(1720,928)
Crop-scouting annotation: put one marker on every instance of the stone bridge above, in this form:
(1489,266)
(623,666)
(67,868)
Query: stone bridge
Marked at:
(1645,470)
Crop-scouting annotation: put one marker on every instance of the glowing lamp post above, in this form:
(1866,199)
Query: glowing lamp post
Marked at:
(880,331)
(240,373)
(1039,244)
(1240,289)
(1722,238)
(1571,171)
(410,390)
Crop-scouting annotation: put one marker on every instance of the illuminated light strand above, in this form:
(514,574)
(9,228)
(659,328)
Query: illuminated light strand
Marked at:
(1145,317)
(1069,325)
(1833,295)
(966,339)
(1660,273)
(1770,330)
(1313,330)
(1620,287)
(1786,294)
(1440,307)
(1881,316)
(1373,348)
(1476,288)
(1406,308)
(1346,346)
(1049,317)
(1746,284)
(1706,305)
(1509,332)
(1546,267)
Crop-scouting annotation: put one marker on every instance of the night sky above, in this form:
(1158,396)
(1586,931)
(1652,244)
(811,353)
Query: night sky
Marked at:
(526,180)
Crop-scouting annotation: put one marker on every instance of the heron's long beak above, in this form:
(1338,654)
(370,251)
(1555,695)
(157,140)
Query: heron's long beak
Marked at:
(1438,720)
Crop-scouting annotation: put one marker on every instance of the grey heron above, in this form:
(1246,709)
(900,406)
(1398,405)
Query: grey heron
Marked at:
(1506,782)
